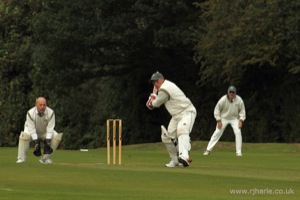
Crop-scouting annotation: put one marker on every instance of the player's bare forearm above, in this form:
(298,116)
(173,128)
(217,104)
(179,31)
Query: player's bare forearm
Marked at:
(154,90)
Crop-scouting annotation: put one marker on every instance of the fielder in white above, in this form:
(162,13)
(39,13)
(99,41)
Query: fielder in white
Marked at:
(177,137)
(230,109)
(39,126)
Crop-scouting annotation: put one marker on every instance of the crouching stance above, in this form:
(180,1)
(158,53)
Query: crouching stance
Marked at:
(177,136)
(230,109)
(39,127)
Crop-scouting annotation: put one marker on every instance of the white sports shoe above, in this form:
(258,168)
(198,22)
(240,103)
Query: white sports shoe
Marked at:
(206,153)
(46,161)
(238,154)
(20,161)
(172,164)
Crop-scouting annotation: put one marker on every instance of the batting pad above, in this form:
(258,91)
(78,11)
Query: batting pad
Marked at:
(24,141)
(172,150)
(56,140)
(54,143)
(165,138)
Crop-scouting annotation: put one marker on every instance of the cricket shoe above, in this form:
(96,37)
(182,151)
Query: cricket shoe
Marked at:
(185,162)
(46,161)
(20,161)
(206,153)
(172,164)
(238,154)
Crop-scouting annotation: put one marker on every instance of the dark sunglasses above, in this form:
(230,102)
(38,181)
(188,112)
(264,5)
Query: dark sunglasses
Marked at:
(232,92)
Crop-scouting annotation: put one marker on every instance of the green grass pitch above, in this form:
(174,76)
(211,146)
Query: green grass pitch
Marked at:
(265,171)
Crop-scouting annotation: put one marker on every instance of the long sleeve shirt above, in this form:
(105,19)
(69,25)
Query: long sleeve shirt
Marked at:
(174,99)
(40,125)
(226,109)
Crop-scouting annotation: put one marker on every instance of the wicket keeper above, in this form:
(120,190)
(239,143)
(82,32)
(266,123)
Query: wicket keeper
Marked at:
(39,126)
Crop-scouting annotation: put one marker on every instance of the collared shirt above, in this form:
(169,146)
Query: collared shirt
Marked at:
(173,98)
(226,109)
(40,125)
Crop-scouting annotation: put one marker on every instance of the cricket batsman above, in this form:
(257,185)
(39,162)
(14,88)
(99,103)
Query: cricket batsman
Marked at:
(39,126)
(177,137)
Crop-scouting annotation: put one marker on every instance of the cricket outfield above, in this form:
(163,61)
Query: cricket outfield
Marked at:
(265,171)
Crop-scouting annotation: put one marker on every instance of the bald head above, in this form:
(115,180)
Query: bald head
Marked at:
(41,104)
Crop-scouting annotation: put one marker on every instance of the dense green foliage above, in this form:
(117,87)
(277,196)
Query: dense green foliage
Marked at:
(92,61)
(255,45)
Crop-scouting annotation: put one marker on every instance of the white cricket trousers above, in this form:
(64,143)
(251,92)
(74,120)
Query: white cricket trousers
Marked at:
(218,133)
(181,127)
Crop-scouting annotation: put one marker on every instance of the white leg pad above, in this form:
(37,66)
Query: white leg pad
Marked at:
(165,136)
(169,142)
(54,143)
(56,140)
(24,141)
(172,152)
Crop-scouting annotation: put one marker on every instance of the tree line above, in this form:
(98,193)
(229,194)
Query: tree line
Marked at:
(92,61)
